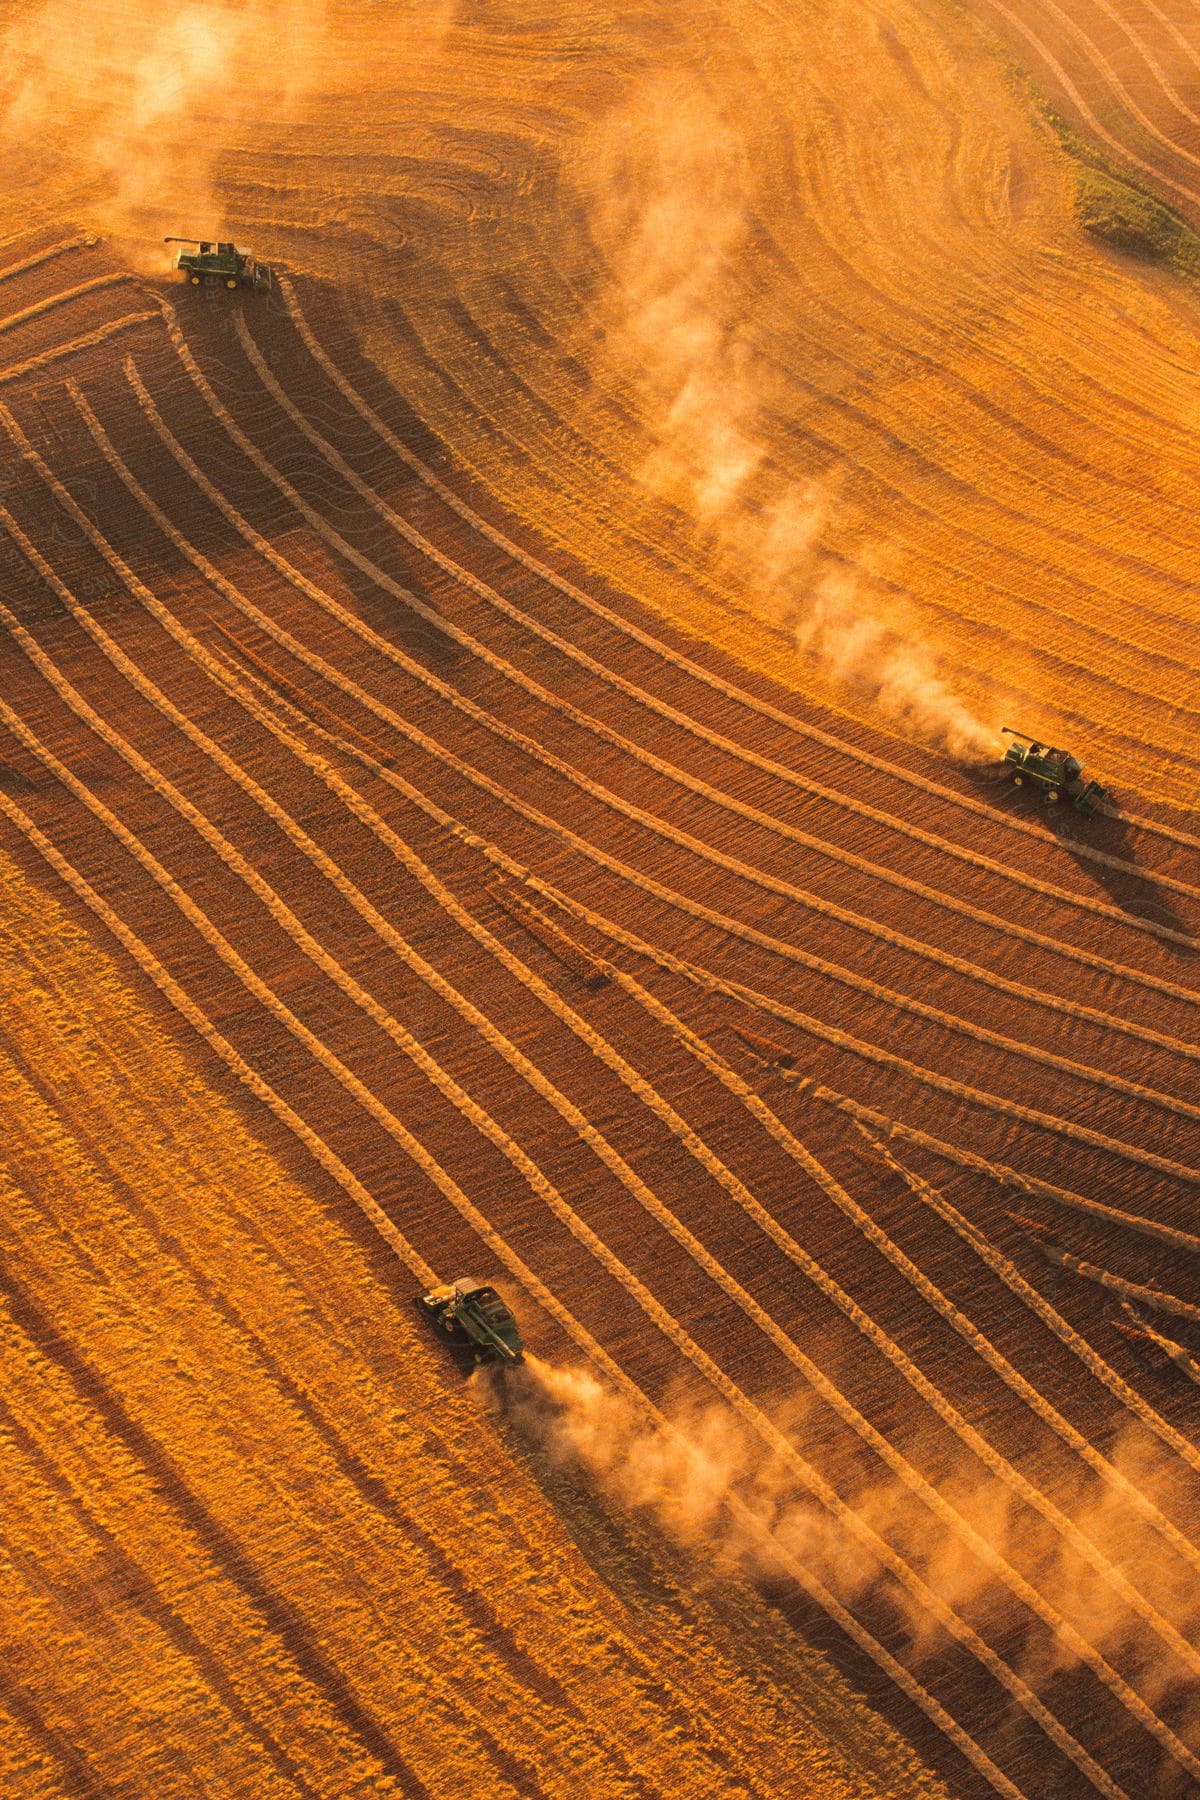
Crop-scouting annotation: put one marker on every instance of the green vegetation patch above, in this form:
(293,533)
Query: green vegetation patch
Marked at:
(1130,219)
(1109,204)
(1119,211)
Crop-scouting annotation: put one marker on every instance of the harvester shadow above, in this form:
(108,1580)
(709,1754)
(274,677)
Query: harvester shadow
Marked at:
(1136,892)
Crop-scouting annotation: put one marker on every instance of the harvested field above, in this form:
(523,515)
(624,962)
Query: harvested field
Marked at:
(497,725)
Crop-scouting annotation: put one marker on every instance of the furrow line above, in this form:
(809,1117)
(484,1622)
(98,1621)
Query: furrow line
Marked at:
(32,363)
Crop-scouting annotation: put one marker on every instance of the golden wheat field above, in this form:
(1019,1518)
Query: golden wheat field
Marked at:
(501,775)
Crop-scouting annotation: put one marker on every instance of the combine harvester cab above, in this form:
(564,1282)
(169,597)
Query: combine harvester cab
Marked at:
(1055,773)
(471,1314)
(220,265)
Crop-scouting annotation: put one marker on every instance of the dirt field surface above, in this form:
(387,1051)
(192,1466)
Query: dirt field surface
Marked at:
(499,772)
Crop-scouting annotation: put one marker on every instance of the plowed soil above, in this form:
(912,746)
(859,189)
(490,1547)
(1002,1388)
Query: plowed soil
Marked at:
(426,856)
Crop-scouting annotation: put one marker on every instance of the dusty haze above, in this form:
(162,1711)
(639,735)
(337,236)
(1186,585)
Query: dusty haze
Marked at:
(683,1475)
(673,203)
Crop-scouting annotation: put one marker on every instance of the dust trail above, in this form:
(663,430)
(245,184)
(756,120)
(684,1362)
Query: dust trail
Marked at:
(684,1474)
(673,194)
(131,112)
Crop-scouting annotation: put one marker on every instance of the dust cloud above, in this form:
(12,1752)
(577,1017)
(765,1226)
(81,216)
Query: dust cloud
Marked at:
(673,198)
(128,112)
(684,1474)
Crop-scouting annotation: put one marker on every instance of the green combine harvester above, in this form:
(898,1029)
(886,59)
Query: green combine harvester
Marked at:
(220,265)
(1055,773)
(471,1314)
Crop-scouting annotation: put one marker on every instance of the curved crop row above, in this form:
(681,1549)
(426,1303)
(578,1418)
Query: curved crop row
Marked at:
(509,734)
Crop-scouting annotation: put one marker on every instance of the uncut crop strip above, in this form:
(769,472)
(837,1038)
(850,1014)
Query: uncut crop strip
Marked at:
(279,1653)
(662,710)
(656,824)
(685,664)
(875,1053)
